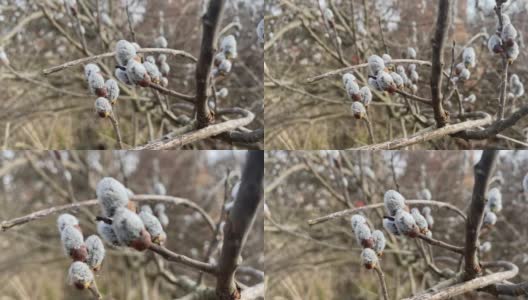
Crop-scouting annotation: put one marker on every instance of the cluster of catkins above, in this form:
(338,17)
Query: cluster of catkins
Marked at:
(87,254)
(223,60)
(504,40)
(400,222)
(373,243)
(384,76)
(127,227)
(494,205)
(468,61)
(107,91)
(361,97)
(132,69)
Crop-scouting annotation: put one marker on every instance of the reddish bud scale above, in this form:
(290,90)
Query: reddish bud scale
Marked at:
(367,243)
(79,254)
(142,243)
(101,92)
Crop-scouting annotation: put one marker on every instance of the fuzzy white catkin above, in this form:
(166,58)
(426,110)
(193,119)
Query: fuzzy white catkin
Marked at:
(96,252)
(516,86)
(111,195)
(125,51)
(225,67)
(430,220)
(369,258)
(393,201)
(80,275)
(485,247)
(379,242)
(414,76)
(495,44)
(159,208)
(512,52)
(489,219)
(356,219)
(465,74)
(66,220)
(261,31)
(164,69)
(147,208)
(363,235)
(164,219)
(469,57)
(229,47)
(137,73)
(107,233)
(405,223)
(122,76)
(127,226)
(3,57)
(390,226)
(374,84)
(366,96)
(71,239)
(113,90)
(222,93)
(348,78)
(90,69)
(358,110)
(150,59)
(426,194)
(421,222)
(387,59)
(376,64)
(161,42)
(494,200)
(153,71)
(385,81)
(103,107)
(426,210)
(234,190)
(162,58)
(153,226)
(398,80)
(352,89)
(159,189)
(471,98)
(411,53)
(96,83)
(508,34)
(329,16)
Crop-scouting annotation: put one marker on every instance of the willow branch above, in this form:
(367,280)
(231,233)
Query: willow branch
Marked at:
(85,60)
(171,141)
(211,21)
(8,224)
(348,212)
(442,26)
(239,223)
(476,212)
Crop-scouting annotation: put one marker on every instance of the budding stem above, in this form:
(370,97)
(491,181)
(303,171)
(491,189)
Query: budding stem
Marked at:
(113,120)
(381,277)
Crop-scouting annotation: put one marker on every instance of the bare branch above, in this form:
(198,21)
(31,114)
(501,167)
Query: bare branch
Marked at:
(182,259)
(474,284)
(476,212)
(111,54)
(211,21)
(443,21)
(171,141)
(5,225)
(238,224)
(348,212)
